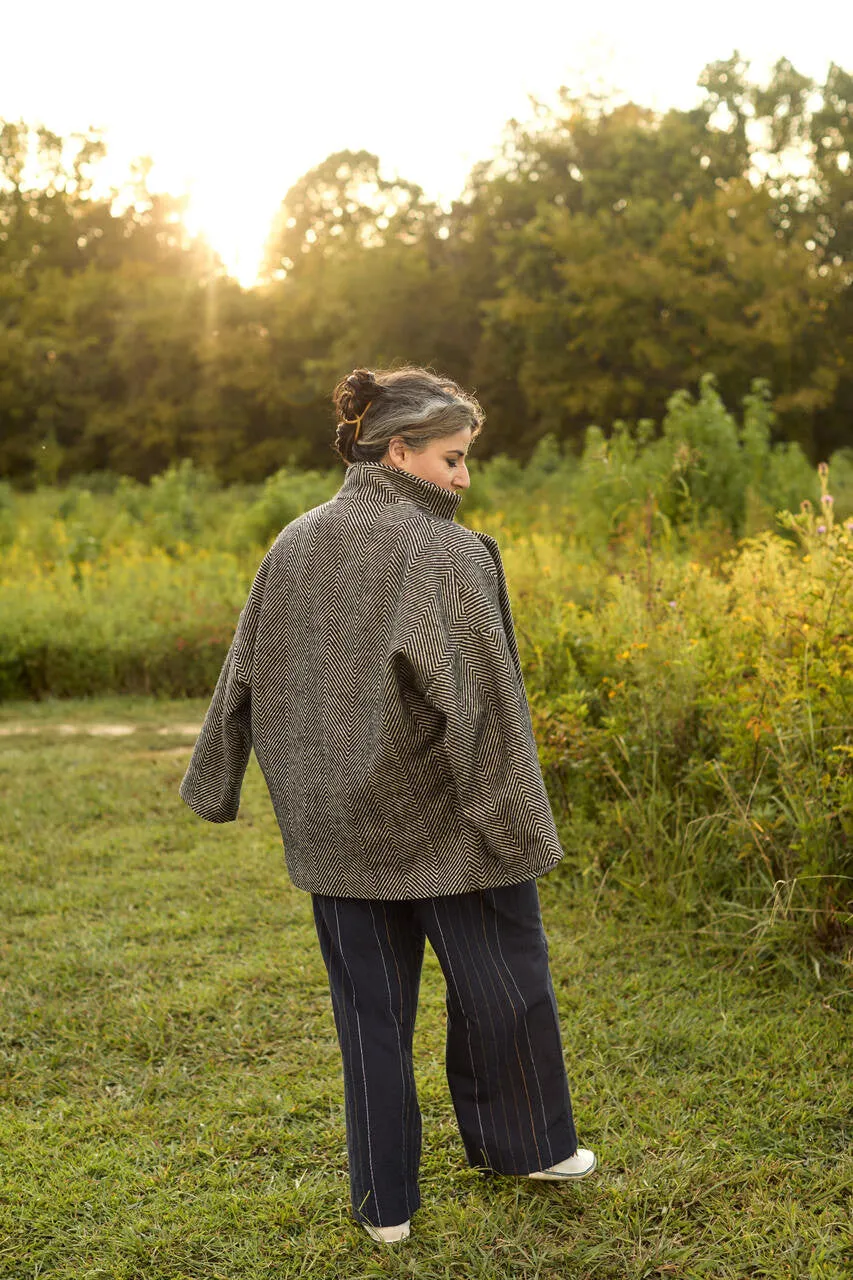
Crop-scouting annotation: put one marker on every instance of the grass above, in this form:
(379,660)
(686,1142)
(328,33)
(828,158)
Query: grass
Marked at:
(172,1089)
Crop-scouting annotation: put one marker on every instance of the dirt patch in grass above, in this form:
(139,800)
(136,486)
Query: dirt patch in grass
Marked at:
(94,730)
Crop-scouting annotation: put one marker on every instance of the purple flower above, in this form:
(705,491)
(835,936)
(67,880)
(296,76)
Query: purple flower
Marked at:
(827,499)
(671,604)
(821,528)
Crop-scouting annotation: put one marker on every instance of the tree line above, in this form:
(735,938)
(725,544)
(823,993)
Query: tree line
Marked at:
(605,257)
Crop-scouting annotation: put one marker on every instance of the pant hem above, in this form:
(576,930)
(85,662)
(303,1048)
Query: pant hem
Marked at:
(405,1216)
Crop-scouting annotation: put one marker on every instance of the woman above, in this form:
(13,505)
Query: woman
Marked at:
(374,670)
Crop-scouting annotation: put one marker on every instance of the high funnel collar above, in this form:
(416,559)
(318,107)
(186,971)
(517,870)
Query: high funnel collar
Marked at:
(391,483)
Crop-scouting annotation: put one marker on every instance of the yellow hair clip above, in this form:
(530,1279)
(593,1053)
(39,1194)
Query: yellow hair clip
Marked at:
(357,420)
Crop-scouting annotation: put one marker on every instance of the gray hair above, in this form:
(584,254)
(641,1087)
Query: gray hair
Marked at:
(411,402)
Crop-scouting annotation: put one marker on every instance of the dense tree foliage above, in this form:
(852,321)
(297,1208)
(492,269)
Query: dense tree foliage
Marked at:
(607,256)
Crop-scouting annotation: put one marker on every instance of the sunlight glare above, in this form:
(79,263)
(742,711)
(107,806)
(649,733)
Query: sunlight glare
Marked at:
(235,224)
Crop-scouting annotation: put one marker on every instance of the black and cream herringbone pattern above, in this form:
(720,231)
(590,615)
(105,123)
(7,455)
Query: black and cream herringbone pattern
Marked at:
(374,669)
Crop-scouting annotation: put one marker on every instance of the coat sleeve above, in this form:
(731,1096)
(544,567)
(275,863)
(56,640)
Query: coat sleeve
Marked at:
(214,778)
(487,734)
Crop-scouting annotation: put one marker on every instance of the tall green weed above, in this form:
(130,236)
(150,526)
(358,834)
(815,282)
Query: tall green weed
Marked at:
(683,606)
(695,721)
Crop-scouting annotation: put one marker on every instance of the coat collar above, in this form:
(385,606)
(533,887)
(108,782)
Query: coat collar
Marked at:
(389,483)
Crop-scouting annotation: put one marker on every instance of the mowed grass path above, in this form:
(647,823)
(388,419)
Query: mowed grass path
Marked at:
(172,1089)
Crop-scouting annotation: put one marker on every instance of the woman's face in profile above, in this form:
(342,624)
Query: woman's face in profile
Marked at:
(441,461)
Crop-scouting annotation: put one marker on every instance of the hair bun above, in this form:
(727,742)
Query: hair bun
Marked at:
(356,389)
(361,380)
(351,398)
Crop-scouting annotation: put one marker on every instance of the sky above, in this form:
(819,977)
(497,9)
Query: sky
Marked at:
(234,102)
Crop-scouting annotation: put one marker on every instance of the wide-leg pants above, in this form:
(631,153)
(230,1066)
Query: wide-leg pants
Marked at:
(504,1054)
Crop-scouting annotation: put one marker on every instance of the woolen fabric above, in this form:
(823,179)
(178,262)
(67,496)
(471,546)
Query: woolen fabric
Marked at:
(375,672)
(504,1054)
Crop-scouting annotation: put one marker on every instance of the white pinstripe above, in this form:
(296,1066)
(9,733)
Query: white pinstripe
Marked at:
(363,1071)
(520,1064)
(527,1035)
(405,1143)
(339,1004)
(468,1028)
(496,1054)
(529,1045)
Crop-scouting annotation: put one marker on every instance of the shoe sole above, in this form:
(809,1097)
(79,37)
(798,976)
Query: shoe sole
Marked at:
(564,1177)
(381,1239)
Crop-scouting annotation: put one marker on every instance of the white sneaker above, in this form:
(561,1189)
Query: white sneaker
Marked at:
(387,1235)
(577,1166)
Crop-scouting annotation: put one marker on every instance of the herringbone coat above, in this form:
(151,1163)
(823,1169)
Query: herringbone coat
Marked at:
(374,670)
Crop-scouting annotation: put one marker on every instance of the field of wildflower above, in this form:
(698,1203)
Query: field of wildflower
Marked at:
(684,612)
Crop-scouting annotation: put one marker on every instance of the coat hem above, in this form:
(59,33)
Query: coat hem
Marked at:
(346,890)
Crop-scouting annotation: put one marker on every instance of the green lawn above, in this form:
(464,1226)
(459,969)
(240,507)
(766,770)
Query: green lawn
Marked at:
(172,1087)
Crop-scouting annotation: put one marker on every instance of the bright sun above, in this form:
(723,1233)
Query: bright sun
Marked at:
(236,226)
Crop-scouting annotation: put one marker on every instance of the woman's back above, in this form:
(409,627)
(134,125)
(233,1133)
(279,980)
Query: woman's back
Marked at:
(375,672)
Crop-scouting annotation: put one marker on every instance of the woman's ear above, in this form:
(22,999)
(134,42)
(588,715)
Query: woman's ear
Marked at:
(396,451)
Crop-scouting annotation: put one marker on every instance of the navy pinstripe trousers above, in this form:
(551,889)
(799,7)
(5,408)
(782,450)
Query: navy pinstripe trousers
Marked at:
(504,1054)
